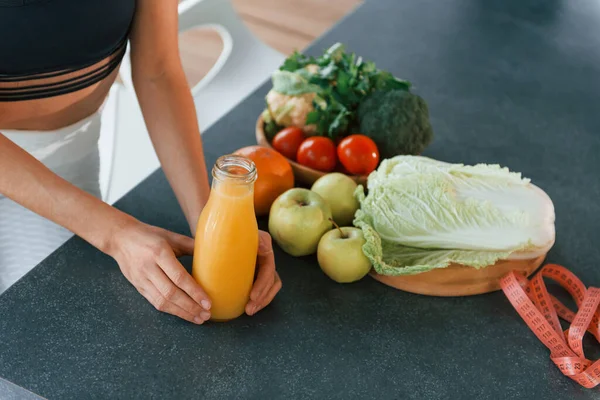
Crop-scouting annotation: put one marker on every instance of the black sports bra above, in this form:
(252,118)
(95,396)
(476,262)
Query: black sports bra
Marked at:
(54,47)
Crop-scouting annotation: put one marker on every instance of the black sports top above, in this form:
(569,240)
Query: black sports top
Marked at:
(53,47)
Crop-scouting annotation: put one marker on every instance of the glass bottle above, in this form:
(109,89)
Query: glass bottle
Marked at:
(226,242)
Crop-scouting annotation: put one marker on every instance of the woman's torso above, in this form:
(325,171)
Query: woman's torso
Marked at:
(58,59)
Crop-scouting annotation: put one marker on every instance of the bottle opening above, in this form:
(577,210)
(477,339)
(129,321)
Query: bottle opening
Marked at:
(235,168)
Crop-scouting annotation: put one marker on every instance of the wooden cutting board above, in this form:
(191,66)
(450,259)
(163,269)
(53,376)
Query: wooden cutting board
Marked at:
(459,280)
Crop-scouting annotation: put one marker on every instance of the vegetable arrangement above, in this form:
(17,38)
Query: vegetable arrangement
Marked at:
(339,95)
(421,214)
(338,112)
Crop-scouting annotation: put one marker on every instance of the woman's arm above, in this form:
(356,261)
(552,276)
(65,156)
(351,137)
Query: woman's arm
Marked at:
(167,104)
(28,182)
(170,116)
(146,254)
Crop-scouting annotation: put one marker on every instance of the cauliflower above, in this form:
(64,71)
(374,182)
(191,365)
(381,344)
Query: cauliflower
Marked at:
(312,68)
(288,110)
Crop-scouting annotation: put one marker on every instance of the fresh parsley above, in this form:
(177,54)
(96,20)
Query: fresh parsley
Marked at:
(345,79)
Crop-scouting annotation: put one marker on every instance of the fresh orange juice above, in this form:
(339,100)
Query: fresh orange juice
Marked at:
(226,242)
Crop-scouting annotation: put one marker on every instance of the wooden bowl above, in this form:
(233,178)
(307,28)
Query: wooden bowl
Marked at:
(459,280)
(303,174)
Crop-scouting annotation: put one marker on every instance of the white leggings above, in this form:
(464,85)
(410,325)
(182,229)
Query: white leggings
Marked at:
(25,237)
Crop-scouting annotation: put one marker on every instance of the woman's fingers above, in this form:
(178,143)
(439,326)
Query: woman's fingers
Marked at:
(267,282)
(173,294)
(182,245)
(266,267)
(155,297)
(182,279)
(253,307)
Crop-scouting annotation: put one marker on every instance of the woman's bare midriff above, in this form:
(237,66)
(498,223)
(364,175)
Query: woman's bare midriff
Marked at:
(56,112)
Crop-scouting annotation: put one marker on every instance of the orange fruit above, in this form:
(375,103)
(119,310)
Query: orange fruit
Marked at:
(275,176)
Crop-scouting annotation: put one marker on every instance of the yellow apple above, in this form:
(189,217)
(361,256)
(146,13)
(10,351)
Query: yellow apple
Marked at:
(297,220)
(341,256)
(338,191)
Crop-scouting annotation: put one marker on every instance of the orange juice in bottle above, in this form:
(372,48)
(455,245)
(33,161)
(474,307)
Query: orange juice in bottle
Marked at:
(226,241)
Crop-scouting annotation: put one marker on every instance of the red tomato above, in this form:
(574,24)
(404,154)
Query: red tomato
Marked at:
(340,168)
(317,152)
(358,154)
(287,141)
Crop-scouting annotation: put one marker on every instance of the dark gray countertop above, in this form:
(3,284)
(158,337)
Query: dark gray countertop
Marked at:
(509,82)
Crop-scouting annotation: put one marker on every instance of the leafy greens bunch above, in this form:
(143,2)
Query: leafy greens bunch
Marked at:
(337,82)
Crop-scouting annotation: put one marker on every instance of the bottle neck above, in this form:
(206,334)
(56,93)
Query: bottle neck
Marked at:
(234,176)
(232,187)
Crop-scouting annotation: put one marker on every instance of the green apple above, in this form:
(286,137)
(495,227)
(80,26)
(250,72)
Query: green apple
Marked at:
(297,220)
(338,191)
(341,256)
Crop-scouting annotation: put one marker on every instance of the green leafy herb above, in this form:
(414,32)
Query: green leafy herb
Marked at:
(341,80)
(271,128)
(292,84)
(296,61)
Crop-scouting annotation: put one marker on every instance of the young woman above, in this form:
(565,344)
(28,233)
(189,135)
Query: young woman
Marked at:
(58,60)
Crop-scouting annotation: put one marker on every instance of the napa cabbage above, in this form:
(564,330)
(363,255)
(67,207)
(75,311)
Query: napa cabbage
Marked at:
(420,214)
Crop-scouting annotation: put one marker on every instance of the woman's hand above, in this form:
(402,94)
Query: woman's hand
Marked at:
(267,282)
(147,256)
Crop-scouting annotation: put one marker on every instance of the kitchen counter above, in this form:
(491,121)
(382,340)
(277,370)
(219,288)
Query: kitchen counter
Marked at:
(509,82)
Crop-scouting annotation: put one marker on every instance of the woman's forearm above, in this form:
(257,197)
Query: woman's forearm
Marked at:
(170,116)
(28,182)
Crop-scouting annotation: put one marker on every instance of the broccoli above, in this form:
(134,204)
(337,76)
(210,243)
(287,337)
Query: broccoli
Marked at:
(397,121)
